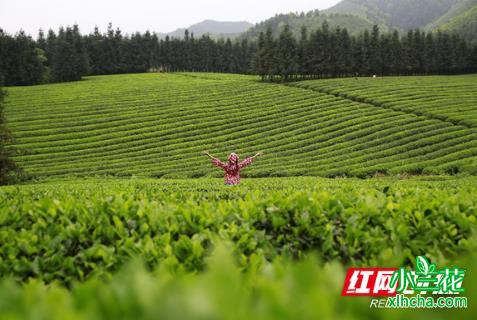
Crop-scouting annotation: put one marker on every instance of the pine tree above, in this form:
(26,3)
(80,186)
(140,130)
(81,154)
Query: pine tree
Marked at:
(357,55)
(63,59)
(316,53)
(430,55)
(21,61)
(344,53)
(444,53)
(327,64)
(166,54)
(41,41)
(69,60)
(374,52)
(410,54)
(397,58)
(366,62)
(259,60)
(82,65)
(9,172)
(418,44)
(473,60)
(386,54)
(244,56)
(93,44)
(50,44)
(286,54)
(302,53)
(270,55)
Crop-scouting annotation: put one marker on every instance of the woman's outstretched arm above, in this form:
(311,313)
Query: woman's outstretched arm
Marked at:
(256,155)
(215,161)
(209,155)
(249,160)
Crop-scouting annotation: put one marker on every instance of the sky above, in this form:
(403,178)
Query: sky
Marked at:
(140,15)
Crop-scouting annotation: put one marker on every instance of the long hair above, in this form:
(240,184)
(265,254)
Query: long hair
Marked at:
(233,163)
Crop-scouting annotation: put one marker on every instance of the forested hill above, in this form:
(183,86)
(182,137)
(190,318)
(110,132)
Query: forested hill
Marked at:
(459,9)
(312,20)
(456,16)
(400,14)
(462,22)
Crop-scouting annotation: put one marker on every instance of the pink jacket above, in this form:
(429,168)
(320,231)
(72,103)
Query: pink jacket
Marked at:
(232,168)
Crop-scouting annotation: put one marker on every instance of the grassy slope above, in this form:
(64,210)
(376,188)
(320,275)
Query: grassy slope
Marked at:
(401,14)
(456,10)
(464,25)
(157,124)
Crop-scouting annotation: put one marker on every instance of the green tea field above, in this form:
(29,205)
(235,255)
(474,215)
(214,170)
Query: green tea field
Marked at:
(156,125)
(234,160)
(272,248)
(124,218)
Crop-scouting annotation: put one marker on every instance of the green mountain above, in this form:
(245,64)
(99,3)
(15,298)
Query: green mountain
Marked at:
(458,16)
(458,9)
(399,14)
(312,20)
(464,25)
(215,29)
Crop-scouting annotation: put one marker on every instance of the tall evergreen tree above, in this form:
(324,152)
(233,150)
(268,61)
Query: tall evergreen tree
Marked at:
(357,54)
(344,53)
(270,55)
(430,53)
(374,52)
(303,58)
(259,61)
(317,51)
(69,60)
(41,41)
(473,59)
(21,61)
(9,172)
(287,50)
(366,62)
(397,58)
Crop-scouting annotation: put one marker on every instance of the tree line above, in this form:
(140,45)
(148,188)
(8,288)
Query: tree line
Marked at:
(67,55)
(334,53)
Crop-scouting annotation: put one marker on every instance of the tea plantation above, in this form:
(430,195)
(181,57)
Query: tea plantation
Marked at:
(156,125)
(108,228)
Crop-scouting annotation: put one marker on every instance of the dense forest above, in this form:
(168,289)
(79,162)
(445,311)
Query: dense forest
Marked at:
(67,55)
(334,53)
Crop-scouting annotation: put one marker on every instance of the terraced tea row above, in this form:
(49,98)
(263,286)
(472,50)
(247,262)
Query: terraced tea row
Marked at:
(450,98)
(157,124)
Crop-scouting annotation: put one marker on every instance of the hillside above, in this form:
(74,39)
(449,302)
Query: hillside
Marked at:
(312,20)
(458,9)
(465,25)
(457,16)
(400,14)
(215,29)
(157,125)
